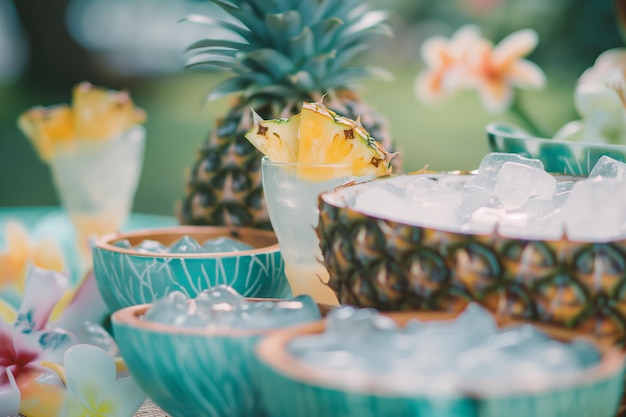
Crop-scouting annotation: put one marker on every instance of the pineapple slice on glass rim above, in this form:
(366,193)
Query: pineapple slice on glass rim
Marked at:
(317,135)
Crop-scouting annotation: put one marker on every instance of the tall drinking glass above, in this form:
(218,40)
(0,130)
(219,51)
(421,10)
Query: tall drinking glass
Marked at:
(291,191)
(96,181)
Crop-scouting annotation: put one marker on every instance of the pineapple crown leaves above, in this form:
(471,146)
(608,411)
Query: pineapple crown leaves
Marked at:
(287,48)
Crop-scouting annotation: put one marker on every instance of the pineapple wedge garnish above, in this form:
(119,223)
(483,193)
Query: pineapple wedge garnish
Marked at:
(317,135)
(96,113)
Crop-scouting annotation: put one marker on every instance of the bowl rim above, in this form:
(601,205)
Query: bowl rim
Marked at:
(131,317)
(271,351)
(494,128)
(105,242)
(334,199)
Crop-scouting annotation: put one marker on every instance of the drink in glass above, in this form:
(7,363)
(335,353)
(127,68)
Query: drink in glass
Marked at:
(291,192)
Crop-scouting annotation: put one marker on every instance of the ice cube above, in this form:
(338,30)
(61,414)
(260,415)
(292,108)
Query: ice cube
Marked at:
(587,354)
(381,202)
(171,309)
(151,246)
(537,219)
(517,183)
(275,314)
(492,163)
(434,205)
(607,167)
(220,298)
(356,322)
(475,197)
(225,244)
(186,244)
(483,220)
(124,244)
(595,210)
(563,189)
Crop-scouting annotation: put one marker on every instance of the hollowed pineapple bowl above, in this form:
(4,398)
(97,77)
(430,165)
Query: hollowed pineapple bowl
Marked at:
(396,266)
(128,276)
(558,156)
(294,387)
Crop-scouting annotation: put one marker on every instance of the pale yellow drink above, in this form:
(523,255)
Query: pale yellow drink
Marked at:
(291,194)
(96,181)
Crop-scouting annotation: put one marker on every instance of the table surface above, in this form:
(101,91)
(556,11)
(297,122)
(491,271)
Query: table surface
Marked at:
(150,409)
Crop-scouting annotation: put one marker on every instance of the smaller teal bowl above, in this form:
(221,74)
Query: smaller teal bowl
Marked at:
(558,157)
(293,388)
(127,277)
(191,372)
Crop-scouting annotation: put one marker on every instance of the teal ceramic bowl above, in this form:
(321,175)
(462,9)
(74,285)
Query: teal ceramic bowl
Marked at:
(293,388)
(128,277)
(190,372)
(559,157)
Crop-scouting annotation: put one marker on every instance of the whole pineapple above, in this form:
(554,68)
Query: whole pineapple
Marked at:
(281,53)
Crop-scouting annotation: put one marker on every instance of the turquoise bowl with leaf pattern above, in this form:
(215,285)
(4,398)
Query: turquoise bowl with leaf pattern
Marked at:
(191,372)
(558,157)
(292,387)
(128,277)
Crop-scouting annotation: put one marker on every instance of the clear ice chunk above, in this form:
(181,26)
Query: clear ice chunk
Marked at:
(225,244)
(434,357)
(492,163)
(607,167)
(124,244)
(186,244)
(151,246)
(171,309)
(595,210)
(381,202)
(283,313)
(221,307)
(517,183)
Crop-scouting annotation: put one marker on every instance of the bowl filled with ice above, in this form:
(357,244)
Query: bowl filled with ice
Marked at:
(194,356)
(558,156)
(524,243)
(358,362)
(142,266)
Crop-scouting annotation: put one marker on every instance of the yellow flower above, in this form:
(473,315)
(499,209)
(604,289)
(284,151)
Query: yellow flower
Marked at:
(496,70)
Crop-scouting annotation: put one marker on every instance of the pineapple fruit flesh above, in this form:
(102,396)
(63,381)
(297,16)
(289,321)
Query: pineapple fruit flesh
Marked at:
(318,135)
(280,54)
(96,113)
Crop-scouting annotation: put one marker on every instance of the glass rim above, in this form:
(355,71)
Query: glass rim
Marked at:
(266,161)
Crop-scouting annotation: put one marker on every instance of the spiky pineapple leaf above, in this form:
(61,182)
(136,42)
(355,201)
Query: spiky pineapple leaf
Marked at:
(345,76)
(229,86)
(210,43)
(344,56)
(234,27)
(211,60)
(326,32)
(302,46)
(270,6)
(283,26)
(360,37)
(303,81)
(271,62)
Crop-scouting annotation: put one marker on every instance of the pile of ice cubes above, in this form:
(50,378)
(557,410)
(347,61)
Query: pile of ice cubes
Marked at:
(512,195)
(188,245)
(221,307)
(466,354)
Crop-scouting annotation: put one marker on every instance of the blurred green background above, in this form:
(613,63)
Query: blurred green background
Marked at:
(48,46)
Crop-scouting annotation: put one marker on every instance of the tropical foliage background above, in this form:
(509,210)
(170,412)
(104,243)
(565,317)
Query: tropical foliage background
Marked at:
(46,47)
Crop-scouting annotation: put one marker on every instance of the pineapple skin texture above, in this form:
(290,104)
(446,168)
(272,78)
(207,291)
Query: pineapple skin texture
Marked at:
(391,266)
(224,186)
